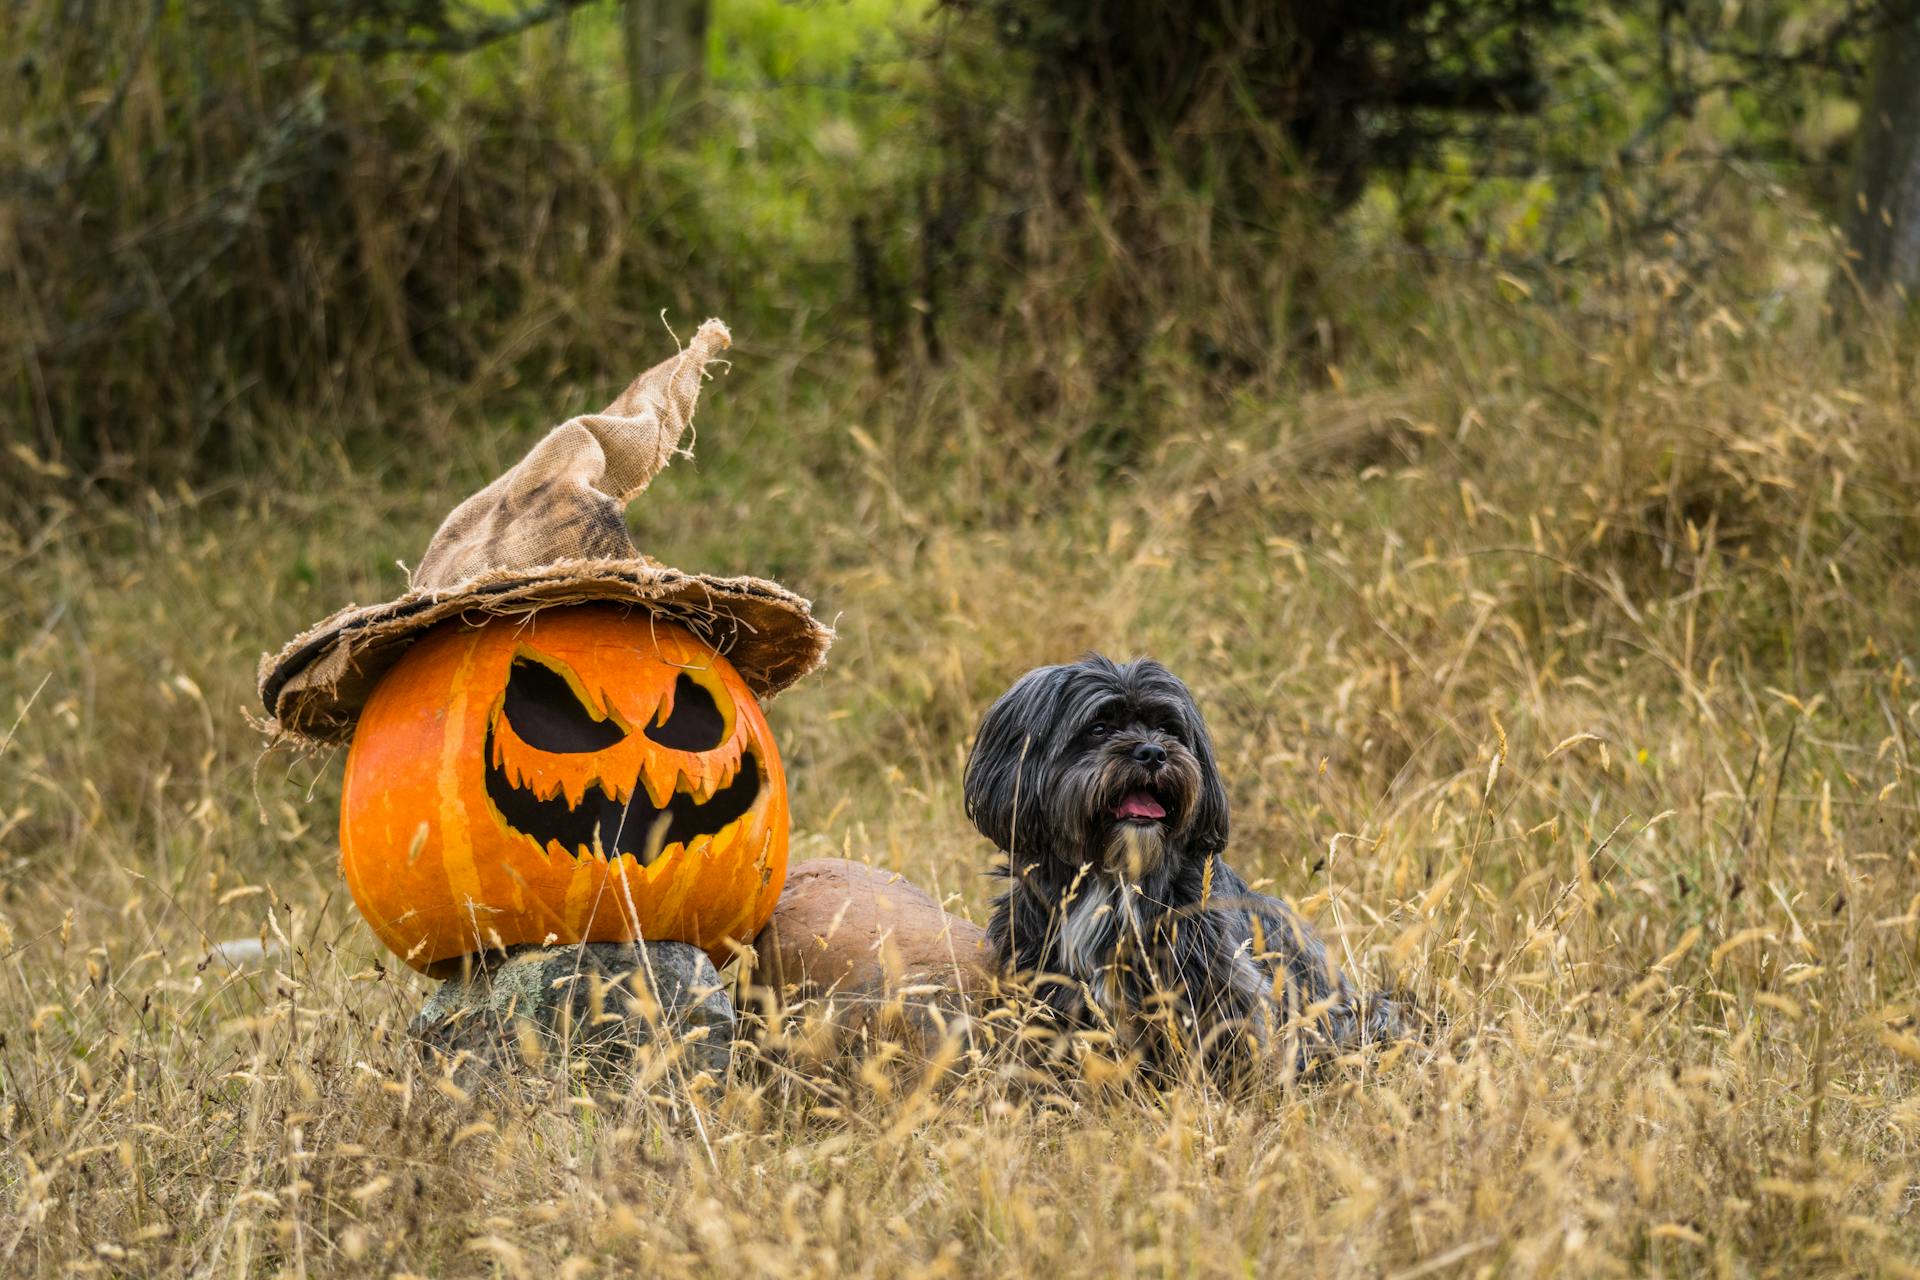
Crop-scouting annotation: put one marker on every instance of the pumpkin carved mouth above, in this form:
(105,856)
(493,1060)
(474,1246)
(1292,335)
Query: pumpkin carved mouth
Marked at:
(606,826)
(571,771)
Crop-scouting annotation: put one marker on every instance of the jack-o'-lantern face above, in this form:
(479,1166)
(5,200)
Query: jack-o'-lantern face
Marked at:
(587,774)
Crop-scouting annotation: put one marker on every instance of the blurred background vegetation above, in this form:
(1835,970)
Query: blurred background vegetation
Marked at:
(226,216)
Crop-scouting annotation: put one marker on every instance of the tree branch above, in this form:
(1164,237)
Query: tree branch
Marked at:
(415,36)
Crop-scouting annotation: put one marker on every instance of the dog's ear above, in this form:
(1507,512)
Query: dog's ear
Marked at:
(1208,831)
(1006,771)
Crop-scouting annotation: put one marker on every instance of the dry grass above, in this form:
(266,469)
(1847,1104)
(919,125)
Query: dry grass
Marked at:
(1561,655)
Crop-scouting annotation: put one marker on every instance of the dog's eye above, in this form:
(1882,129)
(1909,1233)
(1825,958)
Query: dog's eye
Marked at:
(1098,731)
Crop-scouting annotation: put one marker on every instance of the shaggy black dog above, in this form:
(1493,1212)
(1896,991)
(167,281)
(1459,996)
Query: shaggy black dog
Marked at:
(1097,779)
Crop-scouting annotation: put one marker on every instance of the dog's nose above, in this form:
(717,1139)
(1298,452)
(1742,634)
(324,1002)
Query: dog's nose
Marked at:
(1150,754)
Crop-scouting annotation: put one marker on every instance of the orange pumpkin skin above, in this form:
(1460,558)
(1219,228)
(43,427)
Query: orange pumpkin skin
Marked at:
(619,822)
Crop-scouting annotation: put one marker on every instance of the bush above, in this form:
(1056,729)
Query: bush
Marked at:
(212,226)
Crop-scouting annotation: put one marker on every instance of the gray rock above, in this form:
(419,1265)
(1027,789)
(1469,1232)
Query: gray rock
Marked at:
(598,1010)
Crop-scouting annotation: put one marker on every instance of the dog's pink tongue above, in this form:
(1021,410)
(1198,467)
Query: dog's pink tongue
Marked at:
(1139,805)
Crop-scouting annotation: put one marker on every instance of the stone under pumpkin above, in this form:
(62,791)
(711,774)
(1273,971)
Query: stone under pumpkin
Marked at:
(590,776)
(555,739)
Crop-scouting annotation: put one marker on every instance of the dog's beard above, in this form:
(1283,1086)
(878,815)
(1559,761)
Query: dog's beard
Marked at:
(1135,850)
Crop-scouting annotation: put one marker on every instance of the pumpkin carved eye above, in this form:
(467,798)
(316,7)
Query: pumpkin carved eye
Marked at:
(694,724)
(549,716)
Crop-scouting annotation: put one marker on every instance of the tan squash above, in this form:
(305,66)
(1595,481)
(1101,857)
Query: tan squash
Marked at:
(586,774)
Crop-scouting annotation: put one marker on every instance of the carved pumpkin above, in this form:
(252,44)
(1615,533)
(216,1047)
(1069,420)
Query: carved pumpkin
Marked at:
(587,774)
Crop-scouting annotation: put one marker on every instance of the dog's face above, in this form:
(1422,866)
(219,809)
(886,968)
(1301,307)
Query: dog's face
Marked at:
(1099,763)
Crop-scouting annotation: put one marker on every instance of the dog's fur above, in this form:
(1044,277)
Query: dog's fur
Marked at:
(1136,922)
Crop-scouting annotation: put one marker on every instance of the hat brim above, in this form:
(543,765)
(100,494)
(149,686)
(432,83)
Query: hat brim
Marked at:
(314,688)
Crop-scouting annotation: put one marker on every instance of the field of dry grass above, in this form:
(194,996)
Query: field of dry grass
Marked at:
(1559,647)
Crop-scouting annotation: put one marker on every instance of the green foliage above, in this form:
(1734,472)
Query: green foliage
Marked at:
(227,211)
(220,227)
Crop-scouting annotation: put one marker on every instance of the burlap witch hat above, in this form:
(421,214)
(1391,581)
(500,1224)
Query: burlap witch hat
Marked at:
(552,531)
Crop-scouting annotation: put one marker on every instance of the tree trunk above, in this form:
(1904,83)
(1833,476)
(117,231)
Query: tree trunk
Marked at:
(666,45)
(1883,222)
